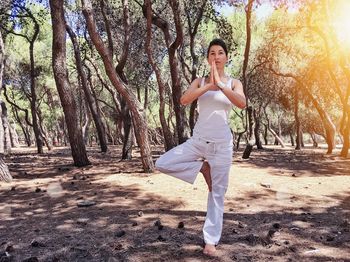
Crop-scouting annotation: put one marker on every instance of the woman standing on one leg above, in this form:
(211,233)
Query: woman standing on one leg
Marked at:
(211,140)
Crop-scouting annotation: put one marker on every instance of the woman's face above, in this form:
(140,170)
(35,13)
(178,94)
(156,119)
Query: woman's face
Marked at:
(218,55)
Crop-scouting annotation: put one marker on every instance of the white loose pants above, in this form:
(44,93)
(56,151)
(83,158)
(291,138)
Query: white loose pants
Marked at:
(185,161)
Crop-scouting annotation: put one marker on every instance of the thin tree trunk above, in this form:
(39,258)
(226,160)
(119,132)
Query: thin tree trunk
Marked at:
(4,171)
(137,113)
(250,144)
(168,137)
(101,133)
(63,86)
(179,110)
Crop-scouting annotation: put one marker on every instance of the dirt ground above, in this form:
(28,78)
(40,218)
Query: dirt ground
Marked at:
(281,205)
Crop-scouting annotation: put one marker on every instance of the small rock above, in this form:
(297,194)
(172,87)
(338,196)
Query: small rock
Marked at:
(160,238)
(330,238)
(9,248)
(231,209)
(37,230)
(37,190)
(134,224)
(36,243)
(82,221)
(271,233)
(140,213)
(86,203)
(286,242)
(276,225)
(13,188)
(240,225)
(293,249)
(293,175)
(120,233)
(181,225)
(234,231)
(157,223)
(267,185)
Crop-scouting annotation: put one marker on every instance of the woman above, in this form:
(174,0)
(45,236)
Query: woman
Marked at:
(211,140)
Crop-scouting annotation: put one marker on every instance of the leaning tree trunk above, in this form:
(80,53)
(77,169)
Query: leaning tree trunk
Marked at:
(326,120)
(4,171)
(182,128)
(63,86)
(101,132)
(169,142)
(137,112)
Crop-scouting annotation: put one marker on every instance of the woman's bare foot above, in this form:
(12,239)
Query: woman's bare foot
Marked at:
(205,170)
(209,250)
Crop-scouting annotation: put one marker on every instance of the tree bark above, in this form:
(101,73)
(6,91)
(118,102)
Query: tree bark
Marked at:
(250,144)
(180,113)
(63,86)
(297,120)
(135,107)
(4,171)
(168,136)
(101,132)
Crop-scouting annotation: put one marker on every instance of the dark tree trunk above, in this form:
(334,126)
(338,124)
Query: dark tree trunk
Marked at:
(128,132)
(137,112)
(63,86)
(265,135)
(168,136)
(4,171)
(101,133)
(297,120)
(179,110)
(250,144)
(314,140)
(292,139)
(257,129)
(33,101)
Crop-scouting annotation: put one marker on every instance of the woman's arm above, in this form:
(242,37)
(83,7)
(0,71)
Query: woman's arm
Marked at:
(235,93)
(195,91)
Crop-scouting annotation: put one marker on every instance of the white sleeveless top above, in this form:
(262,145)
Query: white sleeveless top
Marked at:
(213,112)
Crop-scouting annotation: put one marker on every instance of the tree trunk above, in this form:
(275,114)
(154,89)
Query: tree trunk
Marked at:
(251,141)
(63,86)
(101,132)
(4,171)
(346,136)
(179,110)
(265,135)
(297,120)
(137,113)
(33,97)
(314,139)
(258,143)
(326,120)
(250,144)
(128,132)
(277,138)
(168,136)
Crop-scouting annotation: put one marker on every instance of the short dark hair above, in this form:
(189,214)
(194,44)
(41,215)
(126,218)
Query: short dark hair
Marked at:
(220,42)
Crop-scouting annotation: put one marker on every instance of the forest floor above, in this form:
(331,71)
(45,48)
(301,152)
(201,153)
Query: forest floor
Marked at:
(281,205)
